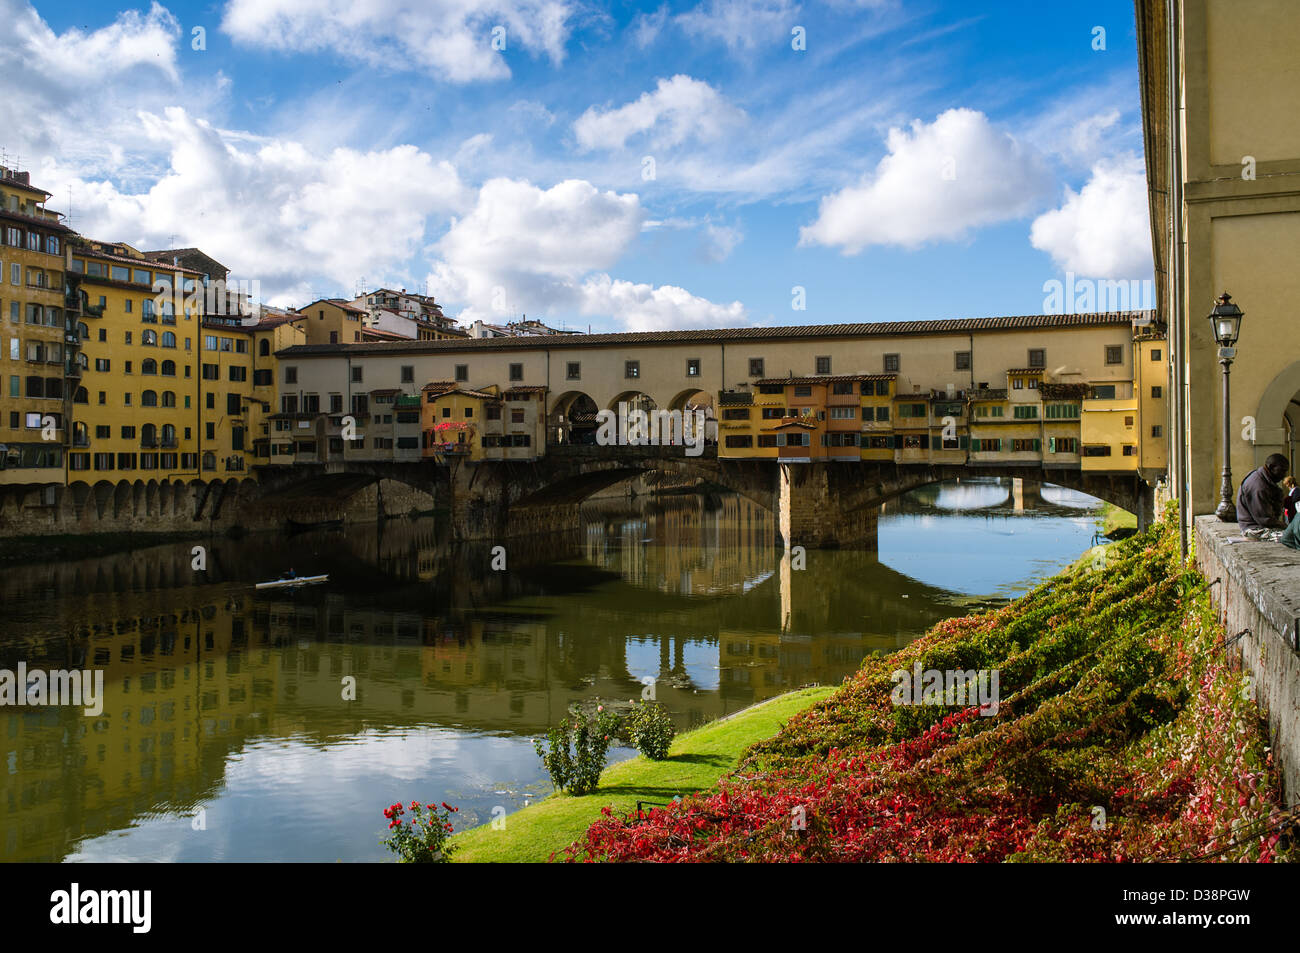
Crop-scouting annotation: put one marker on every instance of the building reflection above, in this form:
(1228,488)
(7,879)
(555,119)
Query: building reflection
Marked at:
(198,666)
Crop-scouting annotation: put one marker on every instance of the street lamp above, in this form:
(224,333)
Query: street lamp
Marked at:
(1225,322)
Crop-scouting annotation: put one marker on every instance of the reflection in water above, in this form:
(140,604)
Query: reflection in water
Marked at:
(226,732)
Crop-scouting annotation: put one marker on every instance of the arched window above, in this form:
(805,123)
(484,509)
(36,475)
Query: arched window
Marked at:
(168,399)
(209,461)
(149,338)
(168,368)
(168,435)
(169,339)
(149,366)
(264,349)
(83,331)
(148,436)
(82,396)
(149,399)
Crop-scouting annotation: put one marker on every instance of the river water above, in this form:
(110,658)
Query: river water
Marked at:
(226,735)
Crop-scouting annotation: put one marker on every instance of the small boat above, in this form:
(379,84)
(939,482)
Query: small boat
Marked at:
(293,583)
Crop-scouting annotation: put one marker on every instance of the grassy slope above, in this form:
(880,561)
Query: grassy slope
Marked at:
(696,761)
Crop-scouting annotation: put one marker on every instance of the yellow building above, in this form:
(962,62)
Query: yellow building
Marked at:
(137,411)
(41,349)
(333,321)
(1223,176)
(484,424)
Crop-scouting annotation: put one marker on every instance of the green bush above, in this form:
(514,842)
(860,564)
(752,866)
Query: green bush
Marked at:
(650,729)
(577,751)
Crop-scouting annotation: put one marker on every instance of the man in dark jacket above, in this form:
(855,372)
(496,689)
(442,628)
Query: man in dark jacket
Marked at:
(1259,501)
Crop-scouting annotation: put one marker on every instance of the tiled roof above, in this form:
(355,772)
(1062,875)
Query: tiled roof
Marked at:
(825,379)
(383,335)
(482,395)
(526,388)
(1026,370)
(53,224)
(726,335)
(87,252)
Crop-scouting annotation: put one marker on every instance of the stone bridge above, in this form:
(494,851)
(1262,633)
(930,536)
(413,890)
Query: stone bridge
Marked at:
(818,505)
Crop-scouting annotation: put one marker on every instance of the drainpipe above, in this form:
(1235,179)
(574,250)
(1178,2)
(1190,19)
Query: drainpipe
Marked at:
(1177,333)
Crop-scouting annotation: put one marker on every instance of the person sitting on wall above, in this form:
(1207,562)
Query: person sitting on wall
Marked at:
(1259,501)
(1291,537)
(1289,501)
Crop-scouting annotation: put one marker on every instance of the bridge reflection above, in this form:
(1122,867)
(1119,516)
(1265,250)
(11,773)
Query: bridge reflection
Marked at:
(198,666)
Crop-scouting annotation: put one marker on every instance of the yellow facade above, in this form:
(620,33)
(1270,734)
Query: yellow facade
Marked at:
(330,321)
(39,356)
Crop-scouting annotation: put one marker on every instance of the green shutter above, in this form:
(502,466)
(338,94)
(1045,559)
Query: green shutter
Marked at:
(963,443)
(1051,445)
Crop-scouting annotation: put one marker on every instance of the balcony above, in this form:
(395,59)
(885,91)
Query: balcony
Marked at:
(81,440)
(148,444)
(168,443)
(72,369)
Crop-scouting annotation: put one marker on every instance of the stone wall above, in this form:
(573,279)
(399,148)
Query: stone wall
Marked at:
(1256,586)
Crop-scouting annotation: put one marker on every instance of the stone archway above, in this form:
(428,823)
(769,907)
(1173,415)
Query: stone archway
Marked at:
(1276,415)
(572,418)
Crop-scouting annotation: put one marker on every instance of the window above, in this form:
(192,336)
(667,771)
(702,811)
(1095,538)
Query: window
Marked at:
(573,371)
(913,410)
(842,387)
(168,398)
(210,401)
(735,413)
(1114,354)
(212,372)
(408,374)
(446,411)
(210,432)
(168,369)
(882,413)
(986,445)
(823,365)
(1157,430)
(1155,354)
(755,367)
(101,365)
(149,399)
(336,403)
(1025,412)
(882,389)
(1062,445)
(738,441)
(516,372)
(291,375)
(103,433)
(149,366)
(517,415)
(803,390)
(1157,392)
(493,412)
(238,374)
(631,368)
(462,372)
(1032,383)
(693,367)
(128,433)
(209,342)
(1017,384)
(127,305)
(1061,411)
(1037,357)
(843,413)
(1103,392)
(356,375)
(1128,421)
(1026,446)
(168,339)
(961,361)
(891,363)
(773,413)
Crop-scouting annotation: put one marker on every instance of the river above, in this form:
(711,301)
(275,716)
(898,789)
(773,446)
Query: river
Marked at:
(226,733)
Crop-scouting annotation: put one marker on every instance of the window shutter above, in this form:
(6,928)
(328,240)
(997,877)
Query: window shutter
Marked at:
(963,443)
(1051,445)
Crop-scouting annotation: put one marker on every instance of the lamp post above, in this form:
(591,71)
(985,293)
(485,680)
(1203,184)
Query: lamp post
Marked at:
(1225,322)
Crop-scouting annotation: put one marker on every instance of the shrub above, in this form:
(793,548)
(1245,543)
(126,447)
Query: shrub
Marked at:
(650,730)
(423,838)
(576,754)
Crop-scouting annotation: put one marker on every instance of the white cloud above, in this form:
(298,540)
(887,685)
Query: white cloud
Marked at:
(1101,231)
(643,307)
(721,241)
(937,182)
(528,250)
(71,94)
(677,109)
(274,210)
(646,27)
(446,39)
(742,25)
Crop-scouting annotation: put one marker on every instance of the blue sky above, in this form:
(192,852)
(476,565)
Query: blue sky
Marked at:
(624,166)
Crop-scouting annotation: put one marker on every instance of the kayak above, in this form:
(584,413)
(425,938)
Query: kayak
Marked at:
(292,583)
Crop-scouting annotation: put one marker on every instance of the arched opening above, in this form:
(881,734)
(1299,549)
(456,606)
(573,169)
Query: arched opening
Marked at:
(82,396)
(264,348)
(149,398)
(1278,416)
(168,368)
(149,338)
(149,366)
(168,398)
(168,339)
(148,436)
(573,419)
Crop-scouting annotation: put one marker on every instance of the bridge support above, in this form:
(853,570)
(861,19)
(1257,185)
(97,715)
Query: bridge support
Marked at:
(1025,493)
(812,513)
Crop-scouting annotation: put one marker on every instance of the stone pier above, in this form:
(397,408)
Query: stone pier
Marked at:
(816,512)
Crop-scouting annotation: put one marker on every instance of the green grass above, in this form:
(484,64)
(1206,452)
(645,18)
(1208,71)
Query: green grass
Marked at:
(696,761)
(1112,518)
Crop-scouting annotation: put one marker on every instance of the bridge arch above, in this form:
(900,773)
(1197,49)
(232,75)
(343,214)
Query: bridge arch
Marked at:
(572,418)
